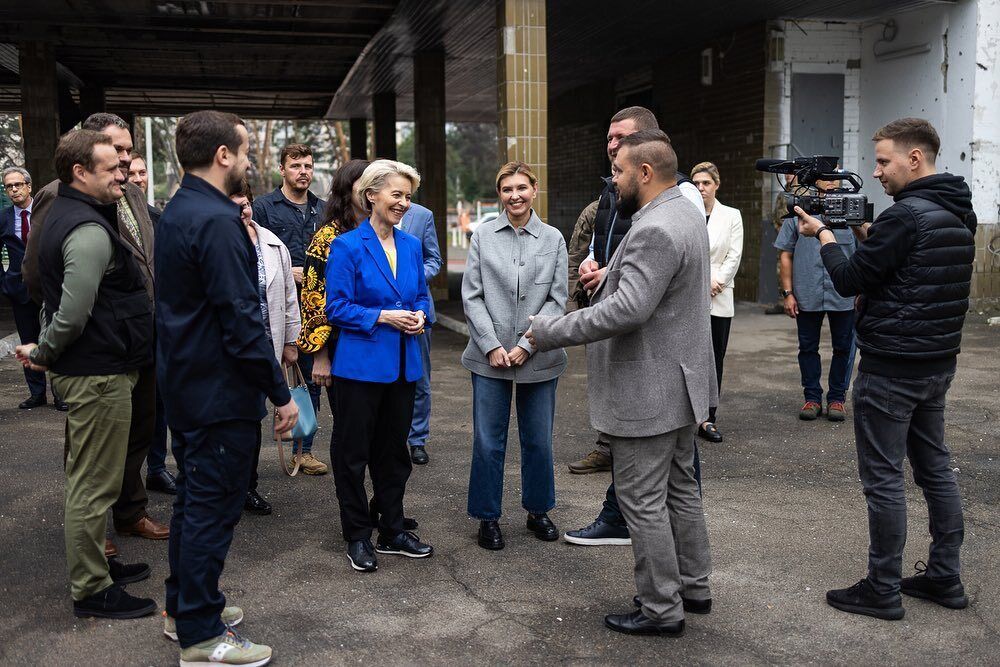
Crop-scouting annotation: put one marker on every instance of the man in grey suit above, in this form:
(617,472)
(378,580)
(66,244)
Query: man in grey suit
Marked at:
(651,379)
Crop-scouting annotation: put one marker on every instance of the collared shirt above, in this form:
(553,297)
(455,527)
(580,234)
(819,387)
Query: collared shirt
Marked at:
(811,284)
(17,218)
(128,217)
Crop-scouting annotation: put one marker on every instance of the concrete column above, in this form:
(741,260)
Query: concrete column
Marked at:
(39,109)
(384,125)
(430,150)
(522,89)
(92,100)
(359,139)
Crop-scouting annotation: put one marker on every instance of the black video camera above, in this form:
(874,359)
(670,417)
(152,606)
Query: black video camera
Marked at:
(840,207)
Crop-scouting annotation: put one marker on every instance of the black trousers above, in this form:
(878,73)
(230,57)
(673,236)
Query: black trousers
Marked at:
(131,504)
(28,329)
(720,341)
(371,424)
(255,463)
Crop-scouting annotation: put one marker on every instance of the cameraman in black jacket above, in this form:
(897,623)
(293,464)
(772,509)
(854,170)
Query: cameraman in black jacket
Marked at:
(911,272)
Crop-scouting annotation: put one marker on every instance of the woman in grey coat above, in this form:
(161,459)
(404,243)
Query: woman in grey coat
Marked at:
(516,269)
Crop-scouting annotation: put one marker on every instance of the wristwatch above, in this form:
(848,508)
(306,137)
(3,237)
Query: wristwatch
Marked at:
(784,293)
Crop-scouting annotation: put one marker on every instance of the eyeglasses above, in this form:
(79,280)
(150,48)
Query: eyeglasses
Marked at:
(9,187)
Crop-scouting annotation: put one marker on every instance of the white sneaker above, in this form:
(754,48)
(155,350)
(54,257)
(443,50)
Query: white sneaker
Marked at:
(229,649)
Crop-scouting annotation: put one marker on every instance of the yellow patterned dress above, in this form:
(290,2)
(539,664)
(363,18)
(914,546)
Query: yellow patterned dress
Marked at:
(316,329)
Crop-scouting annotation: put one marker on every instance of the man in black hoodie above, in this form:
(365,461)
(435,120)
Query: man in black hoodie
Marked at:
(911,273)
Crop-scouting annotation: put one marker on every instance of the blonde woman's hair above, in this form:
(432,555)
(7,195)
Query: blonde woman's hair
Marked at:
(516,167)
(708,168)
(375,175)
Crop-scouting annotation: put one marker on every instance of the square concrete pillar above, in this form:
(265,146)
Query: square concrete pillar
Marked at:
(430,150)
(384,124)
(39,109)
(522,89)
(359,139)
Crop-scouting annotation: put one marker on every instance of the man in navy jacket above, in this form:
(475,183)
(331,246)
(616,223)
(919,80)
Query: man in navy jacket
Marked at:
(215,366)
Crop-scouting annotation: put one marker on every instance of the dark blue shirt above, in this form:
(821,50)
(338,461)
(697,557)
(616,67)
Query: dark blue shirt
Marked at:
(275,212)
(213,360)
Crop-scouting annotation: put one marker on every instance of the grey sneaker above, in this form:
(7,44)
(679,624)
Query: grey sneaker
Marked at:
(231,616)
(595,461)
(229,649)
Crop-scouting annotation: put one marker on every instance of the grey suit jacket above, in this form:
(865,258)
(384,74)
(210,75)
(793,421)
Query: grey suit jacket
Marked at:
(649,343)
(509,277)
(136,200)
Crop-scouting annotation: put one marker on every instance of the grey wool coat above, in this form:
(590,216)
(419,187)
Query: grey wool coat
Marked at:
(649,343)
(510,276)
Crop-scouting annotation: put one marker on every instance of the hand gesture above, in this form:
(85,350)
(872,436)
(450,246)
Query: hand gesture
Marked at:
(498,358)
(517,356)
(418,327)
(717,287)
(587,266)
(401,320)
(23,354)
(592,279)
(285,418)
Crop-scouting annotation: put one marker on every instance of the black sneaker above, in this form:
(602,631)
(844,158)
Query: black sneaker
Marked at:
(113,602)
(362,556)
(255,504)
(405,544)
(122,573)
(861,599)
(599,533)
(947,592)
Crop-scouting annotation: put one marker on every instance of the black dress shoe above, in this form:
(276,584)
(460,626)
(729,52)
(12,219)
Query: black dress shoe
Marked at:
(709,431)
(419,456)
(405,544)
(113,602)
(543,528)
(637,623)
(122,573)
(362,556)
(36,401)
(490,536)
(861,598)
(254,504)
(690,606)
(60,405)
(162,481)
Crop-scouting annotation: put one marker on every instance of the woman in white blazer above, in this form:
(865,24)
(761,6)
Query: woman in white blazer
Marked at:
(279,307)
(725,248)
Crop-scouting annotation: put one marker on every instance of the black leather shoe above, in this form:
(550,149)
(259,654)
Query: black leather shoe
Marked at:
(254,504)
(690,606)
(362,556)
(113,602)
(408,523)
(490,536)
(163,482)
(862,599)
(948,592)
(709,431)
(419,456)
(405,544)
(60,405)
(543,528)
(637,623)
(36,401)
(122,573)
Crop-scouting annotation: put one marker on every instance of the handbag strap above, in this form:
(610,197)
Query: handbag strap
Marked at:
(295,379)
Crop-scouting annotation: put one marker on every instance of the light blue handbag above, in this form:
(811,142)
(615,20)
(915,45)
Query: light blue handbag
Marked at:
(306,424)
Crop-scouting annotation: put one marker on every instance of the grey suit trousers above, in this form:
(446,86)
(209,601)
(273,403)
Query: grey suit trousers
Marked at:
(658,495)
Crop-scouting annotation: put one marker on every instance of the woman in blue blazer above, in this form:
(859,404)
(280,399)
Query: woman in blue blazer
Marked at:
(376,294)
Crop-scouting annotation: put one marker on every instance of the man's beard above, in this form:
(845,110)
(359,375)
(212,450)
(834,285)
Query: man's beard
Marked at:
(234,182)
(628,202)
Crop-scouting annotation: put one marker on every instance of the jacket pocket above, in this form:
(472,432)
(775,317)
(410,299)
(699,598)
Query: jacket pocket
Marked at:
(636,389)
(541,361)
(545,264)
(135,325)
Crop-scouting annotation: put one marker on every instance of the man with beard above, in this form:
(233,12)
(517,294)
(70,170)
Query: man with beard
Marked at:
(294,213)
(651,379)
(217,366)
(98,334)
(129,511)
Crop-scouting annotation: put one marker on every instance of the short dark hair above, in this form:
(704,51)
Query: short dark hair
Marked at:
(199,135)
(339,210)
(77,148)
(245,190)
(643,118)
(99,121)
(912,133)
(653,148)
(136,155)
(294,151)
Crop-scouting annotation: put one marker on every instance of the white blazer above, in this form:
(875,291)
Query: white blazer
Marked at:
(282,301)
(725,249)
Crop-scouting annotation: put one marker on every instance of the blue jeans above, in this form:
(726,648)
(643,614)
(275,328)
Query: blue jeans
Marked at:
(421,425)
(611,513)
(810,324)
(306,366)
(536,409)
(213,473)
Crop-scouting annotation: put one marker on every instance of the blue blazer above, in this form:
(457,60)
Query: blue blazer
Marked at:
(11,283)
(419,222)
(359,285)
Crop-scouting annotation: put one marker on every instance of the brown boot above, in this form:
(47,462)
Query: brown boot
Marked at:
(311,465)
(596,461)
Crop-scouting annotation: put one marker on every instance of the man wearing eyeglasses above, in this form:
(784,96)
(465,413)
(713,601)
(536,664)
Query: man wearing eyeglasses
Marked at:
(15,225)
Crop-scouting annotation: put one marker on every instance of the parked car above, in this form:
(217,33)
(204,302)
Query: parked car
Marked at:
(486,217)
